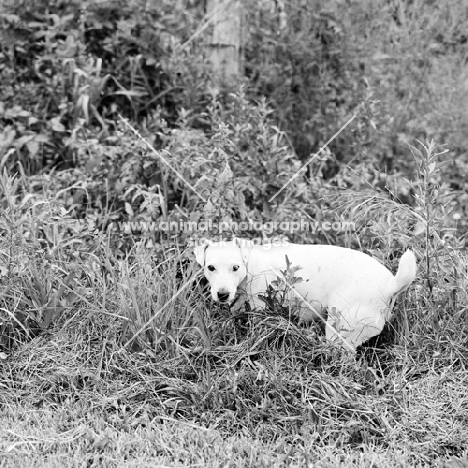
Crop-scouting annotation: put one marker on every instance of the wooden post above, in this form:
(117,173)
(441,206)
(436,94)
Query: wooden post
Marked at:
(224,45)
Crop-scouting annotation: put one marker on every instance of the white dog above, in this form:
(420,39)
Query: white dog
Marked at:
(356,290)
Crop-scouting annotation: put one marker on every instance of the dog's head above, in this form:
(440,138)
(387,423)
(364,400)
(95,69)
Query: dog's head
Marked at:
(225,267)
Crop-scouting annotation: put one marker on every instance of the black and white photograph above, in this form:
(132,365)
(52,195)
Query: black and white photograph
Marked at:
(233,233)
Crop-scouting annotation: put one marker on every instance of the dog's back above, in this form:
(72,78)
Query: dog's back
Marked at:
(324,269)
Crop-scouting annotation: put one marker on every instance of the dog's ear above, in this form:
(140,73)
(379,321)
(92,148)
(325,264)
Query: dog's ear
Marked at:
(245,246)
(200,254)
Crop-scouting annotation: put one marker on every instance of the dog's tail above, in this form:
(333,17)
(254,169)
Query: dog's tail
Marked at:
(405,274)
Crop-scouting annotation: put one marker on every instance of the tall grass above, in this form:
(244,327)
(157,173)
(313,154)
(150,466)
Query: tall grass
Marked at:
(137,340)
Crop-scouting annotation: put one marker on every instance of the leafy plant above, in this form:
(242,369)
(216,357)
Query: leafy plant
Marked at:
(280,294)
(434,205)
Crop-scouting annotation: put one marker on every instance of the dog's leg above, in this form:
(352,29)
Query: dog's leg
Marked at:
(353,327)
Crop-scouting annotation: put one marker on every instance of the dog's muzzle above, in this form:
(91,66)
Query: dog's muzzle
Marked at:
(223,297)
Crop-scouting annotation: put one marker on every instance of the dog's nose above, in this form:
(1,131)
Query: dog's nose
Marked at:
(223,296)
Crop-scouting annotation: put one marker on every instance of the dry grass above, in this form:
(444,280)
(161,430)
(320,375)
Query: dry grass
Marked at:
(267,393)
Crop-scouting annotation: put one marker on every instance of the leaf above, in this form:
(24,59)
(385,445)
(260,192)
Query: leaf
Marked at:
(33,148)
(16,111)
(49,315)
(432,167)
(24,140)
(129,93)
(7,137)
(441,164)
(128,209)
(56,125)
(416,152)
(51,312)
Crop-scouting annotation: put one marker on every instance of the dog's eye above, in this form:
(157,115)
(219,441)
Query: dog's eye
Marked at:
(211,268)
(235,267)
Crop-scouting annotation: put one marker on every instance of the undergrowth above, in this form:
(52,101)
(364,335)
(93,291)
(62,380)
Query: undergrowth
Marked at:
(111,352)
(138,341)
